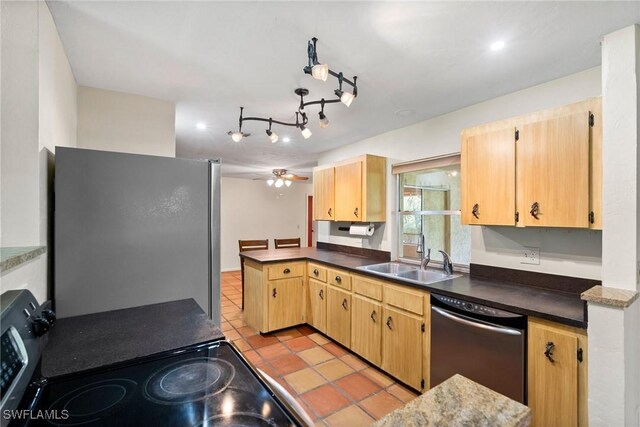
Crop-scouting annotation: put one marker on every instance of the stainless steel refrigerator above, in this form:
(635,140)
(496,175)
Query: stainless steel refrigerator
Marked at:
(132,230)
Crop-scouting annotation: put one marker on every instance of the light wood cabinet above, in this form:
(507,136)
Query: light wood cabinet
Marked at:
(541,169)
(402,346)
(366,330)
(323,194)
(285,303)
(339,315)
(557,374)
(357,187)
(489,163)
(317,307)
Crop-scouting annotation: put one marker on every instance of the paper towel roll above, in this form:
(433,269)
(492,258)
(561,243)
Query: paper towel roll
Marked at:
(361,229)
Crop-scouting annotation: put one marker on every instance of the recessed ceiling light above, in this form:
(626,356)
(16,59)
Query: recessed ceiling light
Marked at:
(286,139)
(497,45)
(201,126)
(405,112)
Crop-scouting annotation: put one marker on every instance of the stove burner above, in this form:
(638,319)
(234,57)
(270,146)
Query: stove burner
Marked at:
(93,401)
(238,419)
(189,380)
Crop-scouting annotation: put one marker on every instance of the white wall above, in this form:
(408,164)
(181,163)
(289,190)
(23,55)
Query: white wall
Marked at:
(566,252)
(116,121)
(252,210)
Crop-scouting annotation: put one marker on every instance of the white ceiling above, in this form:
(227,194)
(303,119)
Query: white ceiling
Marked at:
(429,57)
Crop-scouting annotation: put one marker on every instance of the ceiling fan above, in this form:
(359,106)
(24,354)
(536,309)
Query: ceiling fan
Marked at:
(284,177)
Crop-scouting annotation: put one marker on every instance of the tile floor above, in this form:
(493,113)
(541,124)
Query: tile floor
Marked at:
(336,387)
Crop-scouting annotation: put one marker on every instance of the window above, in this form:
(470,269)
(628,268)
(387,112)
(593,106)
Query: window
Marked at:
(429,205)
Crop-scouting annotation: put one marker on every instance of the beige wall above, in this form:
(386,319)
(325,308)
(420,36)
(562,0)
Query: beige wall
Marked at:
(563,251)
(116,121)
(252,210)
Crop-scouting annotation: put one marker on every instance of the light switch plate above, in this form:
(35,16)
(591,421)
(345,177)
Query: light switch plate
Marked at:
(530,256)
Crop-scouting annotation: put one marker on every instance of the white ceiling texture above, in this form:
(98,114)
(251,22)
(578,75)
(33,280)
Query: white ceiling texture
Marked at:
(431,58)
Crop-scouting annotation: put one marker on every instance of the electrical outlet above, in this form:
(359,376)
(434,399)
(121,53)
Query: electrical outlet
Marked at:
(530,256)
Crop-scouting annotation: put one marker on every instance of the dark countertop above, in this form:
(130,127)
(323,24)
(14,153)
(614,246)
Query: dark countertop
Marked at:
(84,342)
(562,307)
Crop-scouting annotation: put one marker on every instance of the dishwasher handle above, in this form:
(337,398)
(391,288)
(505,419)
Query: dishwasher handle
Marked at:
(476,323)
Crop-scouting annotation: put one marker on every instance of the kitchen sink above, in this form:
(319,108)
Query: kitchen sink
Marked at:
(408,272)
(426,276)
(390,268)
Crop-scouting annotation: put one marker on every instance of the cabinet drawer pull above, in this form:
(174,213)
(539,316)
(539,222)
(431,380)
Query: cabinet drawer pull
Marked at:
(329,211)
(535,210)
(321,294)
(344,304)
(286,271)
(274,293)
(355,212)
(338,279)
(474,211)
(374,316)
(316,272)
(389,322)
(549,351)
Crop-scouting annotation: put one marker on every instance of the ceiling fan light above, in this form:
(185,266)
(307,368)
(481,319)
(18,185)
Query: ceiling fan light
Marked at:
(270,182)
(324,122)
(236,136)
(273,137)
(305,132)
(347,98)
(279,183)
(287,183)
(320,72)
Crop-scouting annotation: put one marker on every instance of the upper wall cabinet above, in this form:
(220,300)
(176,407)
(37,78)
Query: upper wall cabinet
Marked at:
(539,170)
(354,190)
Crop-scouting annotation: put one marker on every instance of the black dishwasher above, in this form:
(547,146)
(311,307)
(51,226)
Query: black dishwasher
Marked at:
(484,344)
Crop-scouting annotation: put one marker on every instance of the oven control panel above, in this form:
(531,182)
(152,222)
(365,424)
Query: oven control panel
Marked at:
(13,359)
(473,307)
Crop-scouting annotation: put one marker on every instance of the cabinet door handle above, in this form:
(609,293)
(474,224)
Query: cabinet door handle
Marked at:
(535,210)
(329,211)
(389,322)
(321,294)
(549,351)
(355,212)
(344,304)
(474,211)
(338,279)
(274,293)
(374,316)
(315,272)
(286,271)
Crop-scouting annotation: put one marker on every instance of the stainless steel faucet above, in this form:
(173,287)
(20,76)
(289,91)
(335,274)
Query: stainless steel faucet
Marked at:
(424,260)
(447,266)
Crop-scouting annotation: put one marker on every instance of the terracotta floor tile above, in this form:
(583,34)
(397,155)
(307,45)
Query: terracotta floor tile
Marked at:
(315,355)
(378,377)
(226,303)
(351,416)
(287,364)
(247,331)
(306,330)
(225,326)
(354,361)
(402,393)
(242,345)
(319,338)
(288,334)
(237,323)
(335,349)
(325,400)
(357,386)
(300,344)
(334,369)
(273,351)
(231,335)
(252,357)
(380,404)
(304,380)
(257,341)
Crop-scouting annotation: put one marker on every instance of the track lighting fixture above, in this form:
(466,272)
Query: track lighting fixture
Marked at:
(317,71)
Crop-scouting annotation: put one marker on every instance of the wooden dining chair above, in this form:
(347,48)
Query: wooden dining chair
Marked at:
(249,245)
(287,243)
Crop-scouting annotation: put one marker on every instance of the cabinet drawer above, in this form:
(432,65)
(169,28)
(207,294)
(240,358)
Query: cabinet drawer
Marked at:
(339,278)
(316,271)
(404,298)
(286,271)
(367,287)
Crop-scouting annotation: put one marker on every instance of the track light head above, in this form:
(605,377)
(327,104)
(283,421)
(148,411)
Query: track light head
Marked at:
(273,137)
(305,131)
(345,97)
(324,122)
(236,136)
(320,72)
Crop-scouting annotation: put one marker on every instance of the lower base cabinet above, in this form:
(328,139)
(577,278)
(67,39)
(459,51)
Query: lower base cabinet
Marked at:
(402,346)
(366,329)
(339,315)
(285,308)
(557,375)
(317,308)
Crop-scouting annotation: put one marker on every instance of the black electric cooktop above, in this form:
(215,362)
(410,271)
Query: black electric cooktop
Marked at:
(206,385)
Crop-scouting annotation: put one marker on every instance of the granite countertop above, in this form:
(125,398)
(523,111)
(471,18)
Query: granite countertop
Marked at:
(89,341)
(562,307)
(459,402)
(11,257)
